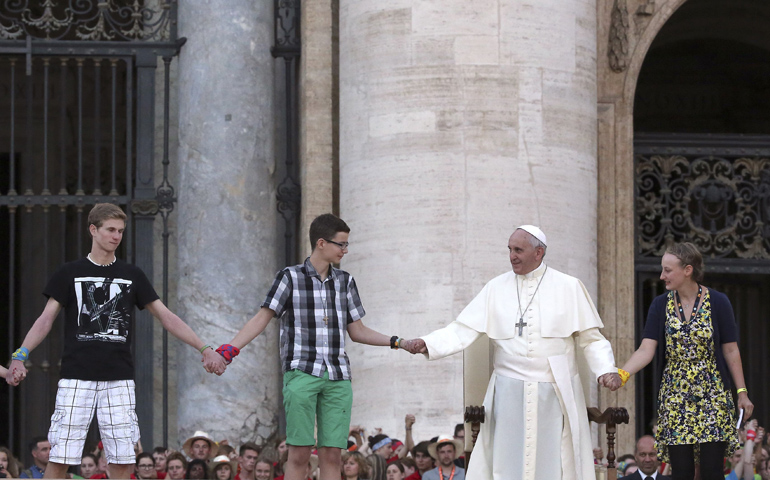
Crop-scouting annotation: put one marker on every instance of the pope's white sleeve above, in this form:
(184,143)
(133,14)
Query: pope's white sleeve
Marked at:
(449,340)
(597,352)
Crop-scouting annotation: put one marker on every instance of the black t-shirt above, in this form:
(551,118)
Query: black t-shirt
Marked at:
(99,311)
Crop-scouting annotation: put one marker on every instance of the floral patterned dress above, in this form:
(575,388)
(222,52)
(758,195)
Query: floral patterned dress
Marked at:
(693,405)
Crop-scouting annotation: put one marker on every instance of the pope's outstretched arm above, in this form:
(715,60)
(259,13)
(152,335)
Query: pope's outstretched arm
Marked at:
(443,342)
(456,336)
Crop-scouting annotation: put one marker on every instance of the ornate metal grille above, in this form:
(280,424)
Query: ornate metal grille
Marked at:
(287,46)
(99,20)
(712,191)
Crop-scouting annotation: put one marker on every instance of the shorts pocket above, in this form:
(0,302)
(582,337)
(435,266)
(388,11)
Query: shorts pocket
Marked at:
(135,434)
(54,432)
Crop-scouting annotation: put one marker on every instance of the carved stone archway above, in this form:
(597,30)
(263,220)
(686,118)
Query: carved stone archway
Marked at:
(626,31)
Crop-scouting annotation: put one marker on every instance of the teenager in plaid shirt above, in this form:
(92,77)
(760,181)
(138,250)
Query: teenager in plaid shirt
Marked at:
(316,304)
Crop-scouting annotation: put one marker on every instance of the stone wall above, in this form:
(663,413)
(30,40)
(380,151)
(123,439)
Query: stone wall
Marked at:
(458,121)
(227,244)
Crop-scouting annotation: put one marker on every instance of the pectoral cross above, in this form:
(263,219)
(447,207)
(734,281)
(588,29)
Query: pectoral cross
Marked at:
(520,325)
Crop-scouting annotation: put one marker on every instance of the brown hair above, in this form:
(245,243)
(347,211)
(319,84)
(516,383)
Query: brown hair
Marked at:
(268,461)
(225,450)
(363,466)
(13,466)
(176,456)
(216,466)
(105,211)
(688,254)
(397,464)
(249,446)
(325,226)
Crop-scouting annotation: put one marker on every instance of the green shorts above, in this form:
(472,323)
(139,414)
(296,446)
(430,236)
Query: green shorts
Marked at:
(307,398)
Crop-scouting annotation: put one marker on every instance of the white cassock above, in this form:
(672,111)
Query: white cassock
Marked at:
(536,424)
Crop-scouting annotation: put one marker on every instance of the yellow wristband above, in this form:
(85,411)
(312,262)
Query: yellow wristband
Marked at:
(624,376)
(742,390)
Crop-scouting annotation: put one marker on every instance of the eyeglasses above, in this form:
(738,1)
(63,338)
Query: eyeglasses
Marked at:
(343,245)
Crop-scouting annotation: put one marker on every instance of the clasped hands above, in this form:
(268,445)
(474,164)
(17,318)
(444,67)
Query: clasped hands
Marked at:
(216,361)
(414,346)
(16,373)
(611,381)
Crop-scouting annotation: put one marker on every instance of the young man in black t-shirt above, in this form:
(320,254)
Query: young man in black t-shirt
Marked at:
(99,294)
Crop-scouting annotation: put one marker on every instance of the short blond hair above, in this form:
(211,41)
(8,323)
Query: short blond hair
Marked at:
(105,211)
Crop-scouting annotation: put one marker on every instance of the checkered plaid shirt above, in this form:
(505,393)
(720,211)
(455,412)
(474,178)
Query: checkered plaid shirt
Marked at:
(301,300)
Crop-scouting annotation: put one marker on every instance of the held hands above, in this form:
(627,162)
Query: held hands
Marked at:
(16,373)
(414,346)
(611,381)
(213,362)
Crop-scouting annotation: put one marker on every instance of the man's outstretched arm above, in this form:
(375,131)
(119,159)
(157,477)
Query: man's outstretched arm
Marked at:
(249,332)
(212,362)
(17,371)
(255,326)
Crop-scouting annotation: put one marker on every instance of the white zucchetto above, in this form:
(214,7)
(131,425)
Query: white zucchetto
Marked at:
(535,232)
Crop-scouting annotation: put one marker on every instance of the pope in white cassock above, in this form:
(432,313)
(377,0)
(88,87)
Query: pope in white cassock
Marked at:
(538,320)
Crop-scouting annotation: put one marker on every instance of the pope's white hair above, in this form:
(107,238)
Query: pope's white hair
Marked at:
(535,242)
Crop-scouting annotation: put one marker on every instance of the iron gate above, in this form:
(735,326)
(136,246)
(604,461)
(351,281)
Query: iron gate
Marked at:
(78,128)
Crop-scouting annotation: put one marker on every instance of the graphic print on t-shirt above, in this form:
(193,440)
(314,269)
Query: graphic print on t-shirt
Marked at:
(102,311)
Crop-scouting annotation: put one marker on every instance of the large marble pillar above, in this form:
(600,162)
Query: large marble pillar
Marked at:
(458,121)
(318,101)
(227,243)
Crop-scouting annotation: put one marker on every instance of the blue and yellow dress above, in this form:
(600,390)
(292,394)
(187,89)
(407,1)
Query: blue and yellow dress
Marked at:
(693,404)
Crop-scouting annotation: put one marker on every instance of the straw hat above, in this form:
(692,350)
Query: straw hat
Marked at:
(222,460)
(200,435)
(459,446)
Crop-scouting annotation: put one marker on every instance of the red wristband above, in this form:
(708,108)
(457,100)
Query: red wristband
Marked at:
(751,435)
(228,352)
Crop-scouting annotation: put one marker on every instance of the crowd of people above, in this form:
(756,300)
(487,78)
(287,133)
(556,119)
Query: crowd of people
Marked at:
(376,457)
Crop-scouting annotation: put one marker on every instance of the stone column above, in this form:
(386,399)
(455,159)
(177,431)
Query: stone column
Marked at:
(318,106)
(227,216)
(458,121)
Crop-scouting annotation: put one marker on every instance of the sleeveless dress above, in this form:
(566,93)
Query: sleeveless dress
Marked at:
(693,405)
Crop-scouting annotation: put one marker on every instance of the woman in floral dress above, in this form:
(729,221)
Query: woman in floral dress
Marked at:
(693,328)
